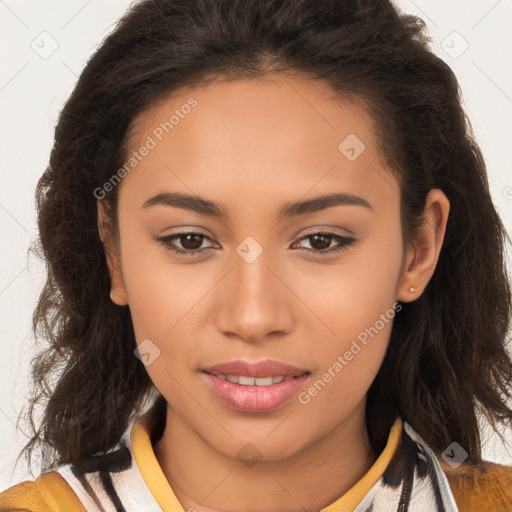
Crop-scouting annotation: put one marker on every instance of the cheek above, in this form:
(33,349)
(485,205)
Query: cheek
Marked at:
(352,294)
(342,385)
(160,291)
(356,302)
(350,362)
(162,299)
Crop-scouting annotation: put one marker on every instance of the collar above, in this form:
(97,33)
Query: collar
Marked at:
(162,491)
(406,477)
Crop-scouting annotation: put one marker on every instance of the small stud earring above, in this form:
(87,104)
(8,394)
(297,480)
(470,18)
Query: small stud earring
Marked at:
(412,289)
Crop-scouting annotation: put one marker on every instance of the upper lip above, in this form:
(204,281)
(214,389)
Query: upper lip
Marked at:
(255,369)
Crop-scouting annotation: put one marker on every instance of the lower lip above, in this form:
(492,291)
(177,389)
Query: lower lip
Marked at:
(255,398)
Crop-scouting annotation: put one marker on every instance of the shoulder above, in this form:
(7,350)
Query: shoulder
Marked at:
(483,488)
(47,493)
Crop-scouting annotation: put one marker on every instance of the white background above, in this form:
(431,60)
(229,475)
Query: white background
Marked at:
(33,90)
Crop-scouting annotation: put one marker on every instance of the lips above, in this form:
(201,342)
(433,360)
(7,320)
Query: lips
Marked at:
(255,387)
(259,369)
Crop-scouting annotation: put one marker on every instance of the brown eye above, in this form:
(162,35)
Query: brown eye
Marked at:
(189,243)
(321,241)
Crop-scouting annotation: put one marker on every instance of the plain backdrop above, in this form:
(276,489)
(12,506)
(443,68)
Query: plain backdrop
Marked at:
(43,48)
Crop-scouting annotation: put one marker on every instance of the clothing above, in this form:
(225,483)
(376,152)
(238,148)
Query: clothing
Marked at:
(406,477)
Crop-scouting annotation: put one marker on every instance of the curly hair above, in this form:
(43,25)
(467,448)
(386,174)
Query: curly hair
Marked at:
(447,358)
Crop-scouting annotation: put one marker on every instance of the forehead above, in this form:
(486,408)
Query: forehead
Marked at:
(280,133)
(303,106)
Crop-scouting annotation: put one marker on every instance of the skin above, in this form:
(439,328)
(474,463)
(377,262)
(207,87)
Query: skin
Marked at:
(251,146)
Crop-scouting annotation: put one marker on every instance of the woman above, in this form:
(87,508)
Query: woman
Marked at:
(275,273)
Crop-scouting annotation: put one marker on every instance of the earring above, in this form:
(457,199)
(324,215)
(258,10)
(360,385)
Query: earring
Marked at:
(412,289)
(113,294)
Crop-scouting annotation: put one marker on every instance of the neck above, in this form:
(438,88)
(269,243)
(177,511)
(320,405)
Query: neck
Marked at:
(310,479)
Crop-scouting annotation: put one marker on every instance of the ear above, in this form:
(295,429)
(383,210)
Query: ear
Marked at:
(118,291)
(421,260)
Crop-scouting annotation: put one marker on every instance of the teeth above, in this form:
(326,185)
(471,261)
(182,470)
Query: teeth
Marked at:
(264,381)
(246,381)
(254,381)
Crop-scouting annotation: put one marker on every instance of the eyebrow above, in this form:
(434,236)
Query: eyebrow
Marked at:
(204,206)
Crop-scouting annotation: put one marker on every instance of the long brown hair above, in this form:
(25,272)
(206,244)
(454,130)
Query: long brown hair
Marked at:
(447,358)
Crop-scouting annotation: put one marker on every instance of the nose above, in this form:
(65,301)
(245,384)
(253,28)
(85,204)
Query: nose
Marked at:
(255,302)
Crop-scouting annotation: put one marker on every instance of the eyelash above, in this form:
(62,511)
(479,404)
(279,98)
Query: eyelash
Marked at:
(343,241)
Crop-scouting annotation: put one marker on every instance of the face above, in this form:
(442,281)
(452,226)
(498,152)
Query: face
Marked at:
(270,280)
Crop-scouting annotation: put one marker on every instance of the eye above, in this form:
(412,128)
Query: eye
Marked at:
(321,241)
(190,242)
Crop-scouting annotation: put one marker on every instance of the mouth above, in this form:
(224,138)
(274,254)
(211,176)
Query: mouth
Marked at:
(255,387)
